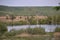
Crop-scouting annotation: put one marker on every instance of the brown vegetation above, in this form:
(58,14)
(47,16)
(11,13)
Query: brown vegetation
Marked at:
(19,18)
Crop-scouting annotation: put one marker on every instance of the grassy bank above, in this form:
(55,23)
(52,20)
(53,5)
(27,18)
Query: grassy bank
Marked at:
(27,38)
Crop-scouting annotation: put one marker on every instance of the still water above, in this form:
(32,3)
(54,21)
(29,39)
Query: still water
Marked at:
(48,28)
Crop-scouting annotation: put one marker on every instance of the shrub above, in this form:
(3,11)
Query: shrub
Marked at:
(3,28)
(36,30)
(57,29)
(33,31)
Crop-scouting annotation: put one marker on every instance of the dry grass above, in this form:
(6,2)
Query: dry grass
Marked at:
(29,35)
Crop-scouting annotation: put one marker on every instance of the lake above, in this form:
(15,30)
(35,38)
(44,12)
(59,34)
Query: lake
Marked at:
(48,28)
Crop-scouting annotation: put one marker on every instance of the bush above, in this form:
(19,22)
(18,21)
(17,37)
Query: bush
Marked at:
(8,34)
(36,30)
(33,31)
(3,28)
(14,32)
(57,29)
(16,23)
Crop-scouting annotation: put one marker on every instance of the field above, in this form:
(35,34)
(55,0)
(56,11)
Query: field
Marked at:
(37,33)
(47,10)
(27,38)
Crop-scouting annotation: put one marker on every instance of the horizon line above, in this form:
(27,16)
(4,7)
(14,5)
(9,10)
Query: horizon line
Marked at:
(30,5)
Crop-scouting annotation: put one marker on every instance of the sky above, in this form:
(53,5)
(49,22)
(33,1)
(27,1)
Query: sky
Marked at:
(30,2)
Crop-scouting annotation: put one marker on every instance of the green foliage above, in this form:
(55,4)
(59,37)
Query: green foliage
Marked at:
(10,34)
(33,31)
(53,19)
(16,23)
(42,21)
(22,22)
(57,8)
(3,28)
(57,29)
(28,10)
(32,21)
(28,38)
(58,19)
(36,30)
(49,20)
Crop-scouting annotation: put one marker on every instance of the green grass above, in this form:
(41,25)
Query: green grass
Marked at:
(27,38)
(28,10)
(32,31)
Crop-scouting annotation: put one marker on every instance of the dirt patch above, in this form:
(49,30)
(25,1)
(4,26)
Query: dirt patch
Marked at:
(29,35)
(23,35)
(56,34)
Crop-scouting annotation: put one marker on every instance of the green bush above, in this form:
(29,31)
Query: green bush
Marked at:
(36,30)
(57,29)
(8,34)
(3,28)
(16,23)
(14,32)
(33,31)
